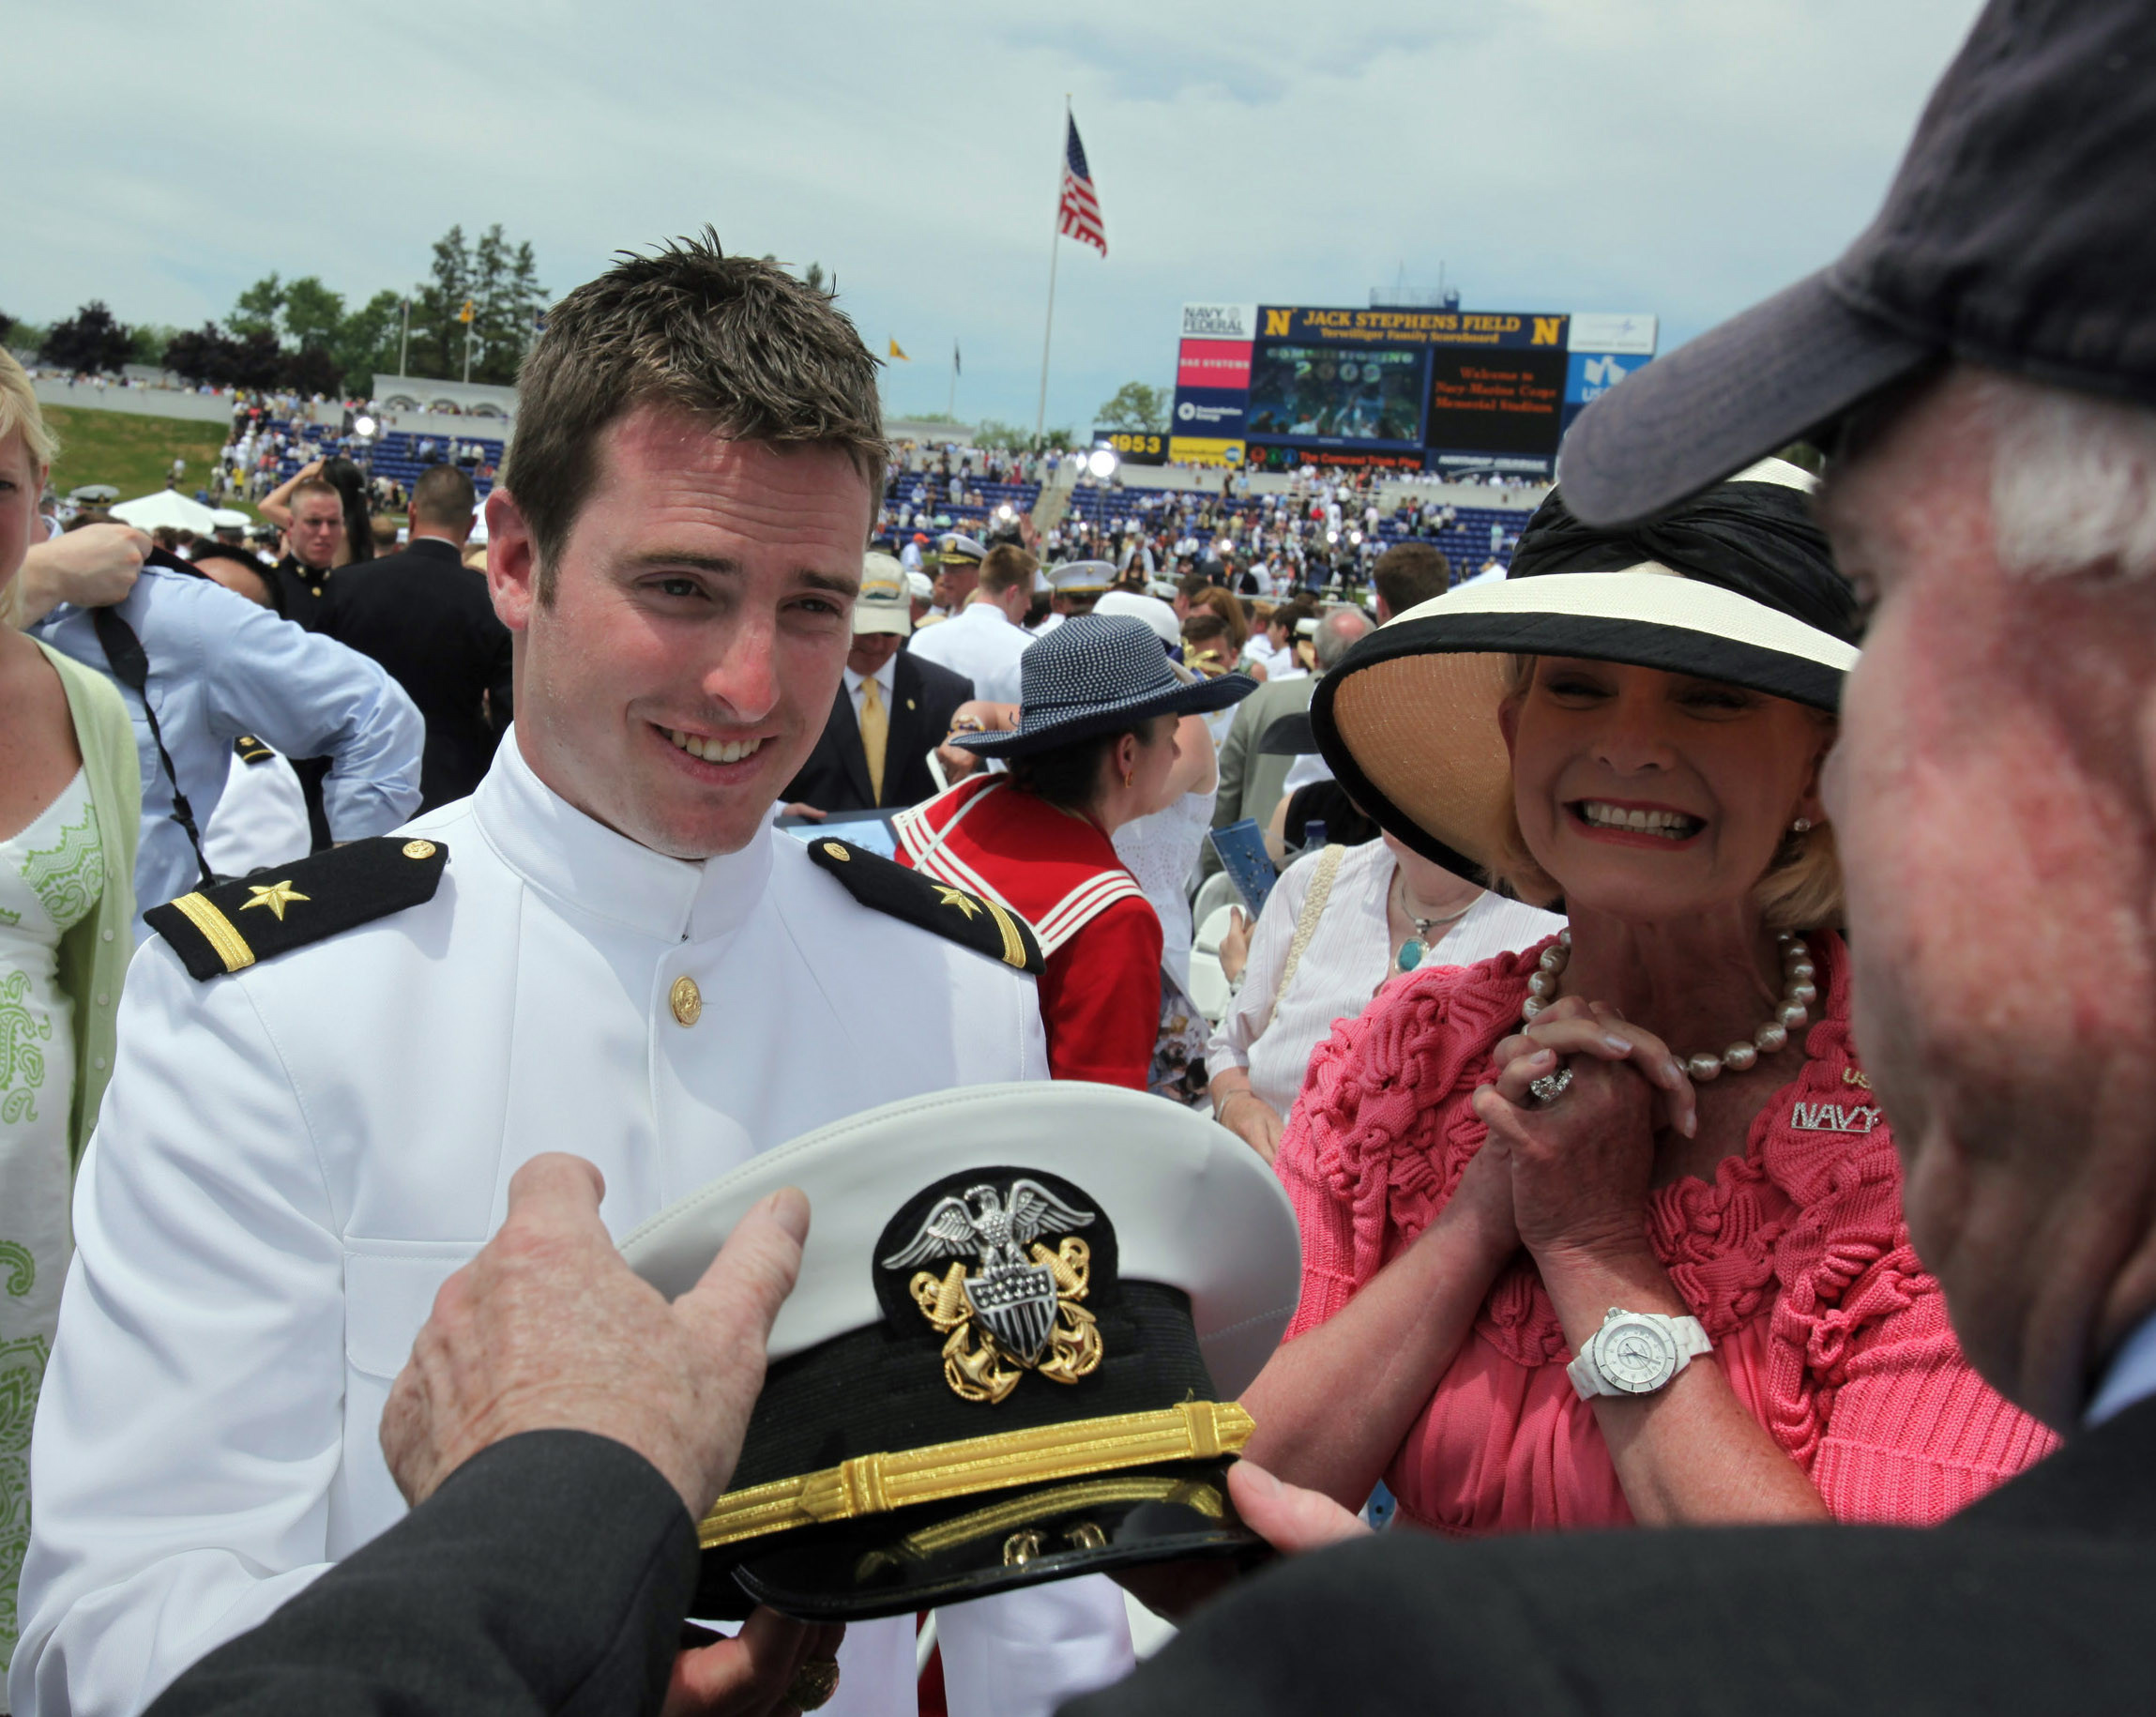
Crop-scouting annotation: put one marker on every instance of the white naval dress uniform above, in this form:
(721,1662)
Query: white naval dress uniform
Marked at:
(292,1159)
(981,643)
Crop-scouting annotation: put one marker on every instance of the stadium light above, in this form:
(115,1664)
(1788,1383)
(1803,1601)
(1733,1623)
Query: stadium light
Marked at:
(1102,461)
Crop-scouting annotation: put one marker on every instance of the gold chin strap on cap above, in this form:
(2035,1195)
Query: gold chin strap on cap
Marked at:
(878,1483)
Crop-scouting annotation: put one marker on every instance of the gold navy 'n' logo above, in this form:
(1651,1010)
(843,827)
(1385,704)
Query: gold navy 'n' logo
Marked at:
(1017,1310)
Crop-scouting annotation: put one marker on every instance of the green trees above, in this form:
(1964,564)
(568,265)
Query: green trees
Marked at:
(92,340)
(301,334)
(1136,407)
(500,281)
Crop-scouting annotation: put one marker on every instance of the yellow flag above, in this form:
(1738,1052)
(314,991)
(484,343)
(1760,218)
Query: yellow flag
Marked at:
(899,354)
(465,314)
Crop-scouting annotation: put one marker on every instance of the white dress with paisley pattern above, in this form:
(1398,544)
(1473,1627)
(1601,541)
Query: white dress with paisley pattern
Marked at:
(50,876)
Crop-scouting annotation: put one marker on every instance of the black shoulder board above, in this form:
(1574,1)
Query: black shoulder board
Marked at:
(234,924)
(978,923)
(248,748)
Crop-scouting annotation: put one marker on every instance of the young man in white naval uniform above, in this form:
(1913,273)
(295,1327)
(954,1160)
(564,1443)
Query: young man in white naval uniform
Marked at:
(328,1075)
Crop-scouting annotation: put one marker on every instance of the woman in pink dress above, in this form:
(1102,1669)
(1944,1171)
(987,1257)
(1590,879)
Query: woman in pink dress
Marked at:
(1611,1230)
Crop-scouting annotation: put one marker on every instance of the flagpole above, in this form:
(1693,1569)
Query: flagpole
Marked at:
(950,410)
(1055,233)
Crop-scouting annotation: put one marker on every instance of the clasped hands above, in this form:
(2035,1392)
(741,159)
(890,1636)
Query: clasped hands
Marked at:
(1571,1178)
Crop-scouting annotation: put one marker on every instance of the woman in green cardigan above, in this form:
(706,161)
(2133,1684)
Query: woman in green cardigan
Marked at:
(71,811)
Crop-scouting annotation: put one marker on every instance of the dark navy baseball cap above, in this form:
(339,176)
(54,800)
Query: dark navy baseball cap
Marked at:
(2019,233)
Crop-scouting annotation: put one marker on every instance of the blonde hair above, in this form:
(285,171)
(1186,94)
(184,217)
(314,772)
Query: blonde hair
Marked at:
(1800,888)
(19,411)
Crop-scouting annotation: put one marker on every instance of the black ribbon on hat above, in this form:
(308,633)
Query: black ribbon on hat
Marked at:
(1757,538)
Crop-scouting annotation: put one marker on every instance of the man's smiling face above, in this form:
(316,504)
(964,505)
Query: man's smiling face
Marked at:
(699,613)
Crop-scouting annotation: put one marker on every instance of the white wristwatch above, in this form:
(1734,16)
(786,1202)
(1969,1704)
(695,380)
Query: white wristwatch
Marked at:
(1636,1353)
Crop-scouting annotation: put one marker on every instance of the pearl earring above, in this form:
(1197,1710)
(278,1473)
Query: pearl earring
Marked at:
(1802,826)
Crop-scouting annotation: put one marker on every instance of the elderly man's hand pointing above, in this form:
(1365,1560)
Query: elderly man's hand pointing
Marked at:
(548,1330)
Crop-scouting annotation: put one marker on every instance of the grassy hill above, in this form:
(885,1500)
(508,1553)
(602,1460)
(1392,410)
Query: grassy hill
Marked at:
(133,453)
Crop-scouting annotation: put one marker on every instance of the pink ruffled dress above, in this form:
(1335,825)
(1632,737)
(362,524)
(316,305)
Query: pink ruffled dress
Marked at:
(1795,1258)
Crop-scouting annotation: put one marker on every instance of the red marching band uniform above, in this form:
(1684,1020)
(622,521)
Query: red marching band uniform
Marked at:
(1099,936)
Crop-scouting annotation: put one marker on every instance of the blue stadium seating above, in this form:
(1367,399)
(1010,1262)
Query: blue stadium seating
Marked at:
(1467,544)
(395,455)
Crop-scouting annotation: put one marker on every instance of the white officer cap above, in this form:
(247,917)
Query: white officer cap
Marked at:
(1023,1314)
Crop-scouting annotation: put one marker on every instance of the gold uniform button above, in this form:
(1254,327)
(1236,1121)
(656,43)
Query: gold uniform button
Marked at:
(419,849)
(686,1000)
(834,850)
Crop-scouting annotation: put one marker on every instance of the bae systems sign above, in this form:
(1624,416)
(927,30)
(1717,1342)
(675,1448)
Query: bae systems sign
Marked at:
(1220,321)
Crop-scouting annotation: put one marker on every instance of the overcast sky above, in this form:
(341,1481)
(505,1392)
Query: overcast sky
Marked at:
(1683,157)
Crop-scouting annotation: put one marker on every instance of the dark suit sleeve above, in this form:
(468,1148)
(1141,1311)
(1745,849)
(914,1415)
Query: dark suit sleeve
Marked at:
(1784,1621)
(549,1573)
(940,692)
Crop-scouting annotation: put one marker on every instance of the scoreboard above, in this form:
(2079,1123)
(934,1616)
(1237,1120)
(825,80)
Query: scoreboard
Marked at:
(1283,385)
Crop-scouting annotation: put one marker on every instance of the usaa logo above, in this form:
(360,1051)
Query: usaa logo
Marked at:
(1598,375)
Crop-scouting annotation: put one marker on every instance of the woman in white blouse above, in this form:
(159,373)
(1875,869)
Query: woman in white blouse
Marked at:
(1336,926)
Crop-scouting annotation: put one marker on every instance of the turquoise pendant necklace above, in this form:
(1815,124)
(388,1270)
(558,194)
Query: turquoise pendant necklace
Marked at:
(1417,947)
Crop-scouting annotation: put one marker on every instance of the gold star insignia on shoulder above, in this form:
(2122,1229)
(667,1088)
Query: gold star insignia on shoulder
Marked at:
(350,885)
(276,896)
(957,897)
(926,904)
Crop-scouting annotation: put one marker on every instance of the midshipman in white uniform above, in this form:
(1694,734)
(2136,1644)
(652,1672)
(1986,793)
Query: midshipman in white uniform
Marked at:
(329,1073)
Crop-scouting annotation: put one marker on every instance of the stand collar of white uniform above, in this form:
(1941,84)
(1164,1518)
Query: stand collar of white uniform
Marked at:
(590,869)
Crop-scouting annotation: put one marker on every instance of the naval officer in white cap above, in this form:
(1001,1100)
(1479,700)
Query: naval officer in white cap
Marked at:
(329,1074)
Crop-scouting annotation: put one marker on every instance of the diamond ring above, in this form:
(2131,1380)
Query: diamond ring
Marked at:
(1550,1086)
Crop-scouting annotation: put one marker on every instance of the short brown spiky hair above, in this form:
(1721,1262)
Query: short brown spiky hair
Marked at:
(1008,566)
(740,344)
(1408,574)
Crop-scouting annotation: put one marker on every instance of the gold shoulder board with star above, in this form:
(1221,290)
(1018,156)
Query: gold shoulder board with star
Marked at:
(976,922)
(248,748)
(235,924)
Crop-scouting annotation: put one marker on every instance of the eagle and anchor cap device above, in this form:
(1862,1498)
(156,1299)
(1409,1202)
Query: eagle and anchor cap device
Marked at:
(1024,1315)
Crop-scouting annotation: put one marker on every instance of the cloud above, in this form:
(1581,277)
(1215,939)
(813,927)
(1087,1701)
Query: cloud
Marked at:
(1685,157)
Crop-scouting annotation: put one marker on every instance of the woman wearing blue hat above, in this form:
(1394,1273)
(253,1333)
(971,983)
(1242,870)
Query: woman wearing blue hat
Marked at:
(1094,747)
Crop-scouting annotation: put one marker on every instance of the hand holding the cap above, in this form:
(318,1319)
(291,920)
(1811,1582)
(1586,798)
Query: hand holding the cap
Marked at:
(548,1330)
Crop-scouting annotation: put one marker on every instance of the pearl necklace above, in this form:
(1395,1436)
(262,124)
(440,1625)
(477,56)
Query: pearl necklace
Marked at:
(1797,994)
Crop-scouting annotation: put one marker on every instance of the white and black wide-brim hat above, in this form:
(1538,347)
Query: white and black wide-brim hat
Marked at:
(1097,673)
(1739,586)
(1024,1315)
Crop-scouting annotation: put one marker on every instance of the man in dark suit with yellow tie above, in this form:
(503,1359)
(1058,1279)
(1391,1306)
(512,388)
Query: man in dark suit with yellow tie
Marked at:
(890,712)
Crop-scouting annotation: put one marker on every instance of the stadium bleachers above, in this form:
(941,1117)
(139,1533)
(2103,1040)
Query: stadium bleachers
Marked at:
(1465,543)
(395,455)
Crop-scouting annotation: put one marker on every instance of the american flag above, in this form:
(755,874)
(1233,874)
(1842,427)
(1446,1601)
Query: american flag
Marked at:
(1081,209)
